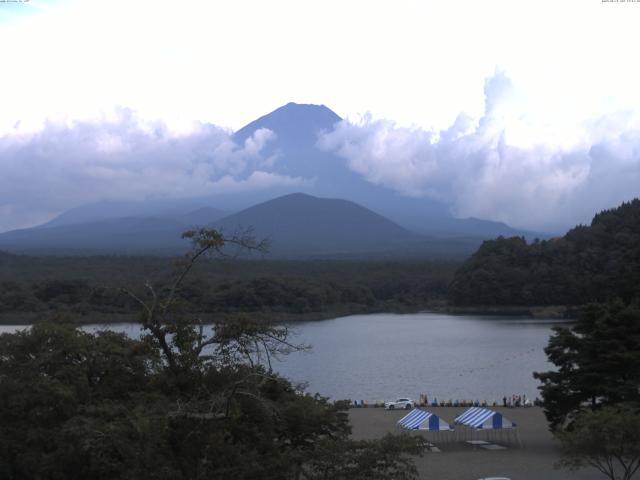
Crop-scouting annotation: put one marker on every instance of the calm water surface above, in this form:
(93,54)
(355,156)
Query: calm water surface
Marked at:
(382,356)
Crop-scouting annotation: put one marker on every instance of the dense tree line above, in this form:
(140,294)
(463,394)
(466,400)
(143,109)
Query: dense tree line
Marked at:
(592,398)
(589,264)
(597,360)
(84,286)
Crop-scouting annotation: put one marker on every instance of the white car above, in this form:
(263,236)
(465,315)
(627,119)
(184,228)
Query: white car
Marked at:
(406,403)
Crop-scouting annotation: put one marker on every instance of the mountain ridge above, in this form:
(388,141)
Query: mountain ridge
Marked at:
(295,155)
(299,226)
(322,225)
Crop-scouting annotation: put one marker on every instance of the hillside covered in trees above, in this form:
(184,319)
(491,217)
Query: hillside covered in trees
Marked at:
(592,263)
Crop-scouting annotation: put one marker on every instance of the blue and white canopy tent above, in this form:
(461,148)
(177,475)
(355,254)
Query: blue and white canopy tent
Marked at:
(483,418)
(479,419)
(418,419)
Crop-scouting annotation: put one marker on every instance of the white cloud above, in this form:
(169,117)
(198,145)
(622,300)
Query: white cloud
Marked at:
(535,173)
(121,156)
(418,62)
(257,180)
(400,158)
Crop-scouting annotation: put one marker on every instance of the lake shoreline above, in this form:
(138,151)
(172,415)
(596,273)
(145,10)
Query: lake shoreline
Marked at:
(560,312)
(30,318)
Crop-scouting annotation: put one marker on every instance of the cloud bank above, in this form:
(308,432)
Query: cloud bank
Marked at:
(528,172)
(511,164)
(120,156)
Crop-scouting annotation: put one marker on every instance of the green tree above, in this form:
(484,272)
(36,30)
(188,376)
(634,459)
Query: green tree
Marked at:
(68,402)
(183,402)
(594,263)
(597,360)
(607,439)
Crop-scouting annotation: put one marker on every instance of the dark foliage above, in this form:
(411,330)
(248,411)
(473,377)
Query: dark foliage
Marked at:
(85,286)
(607,439)
(184,402)
(597,360)
(588,264)
(75,406)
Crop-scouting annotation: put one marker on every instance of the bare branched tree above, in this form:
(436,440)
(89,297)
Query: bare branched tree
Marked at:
(189,348)
(186,341)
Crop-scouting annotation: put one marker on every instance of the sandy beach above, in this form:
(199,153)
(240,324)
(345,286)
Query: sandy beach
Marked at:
(458,460)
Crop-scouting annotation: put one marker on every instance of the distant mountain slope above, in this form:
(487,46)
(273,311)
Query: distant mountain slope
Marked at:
(136,235)
(299,226)
(474,227)
(590,263)
(306,225)
(200,217)
(294,153)
(105,210)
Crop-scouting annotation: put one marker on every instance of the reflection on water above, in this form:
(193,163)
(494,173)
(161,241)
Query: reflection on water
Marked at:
(381,356)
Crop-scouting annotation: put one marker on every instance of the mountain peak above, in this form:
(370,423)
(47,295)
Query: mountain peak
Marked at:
(301,225)
(309,107)
(298,123)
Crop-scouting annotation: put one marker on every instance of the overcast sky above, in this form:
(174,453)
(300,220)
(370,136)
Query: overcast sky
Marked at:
(556,82)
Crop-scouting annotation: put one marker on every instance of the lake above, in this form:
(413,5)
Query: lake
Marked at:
(383,356)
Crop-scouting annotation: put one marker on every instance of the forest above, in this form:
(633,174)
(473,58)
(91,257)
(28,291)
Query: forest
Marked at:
(90,289)
(593,263)
(590,264)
